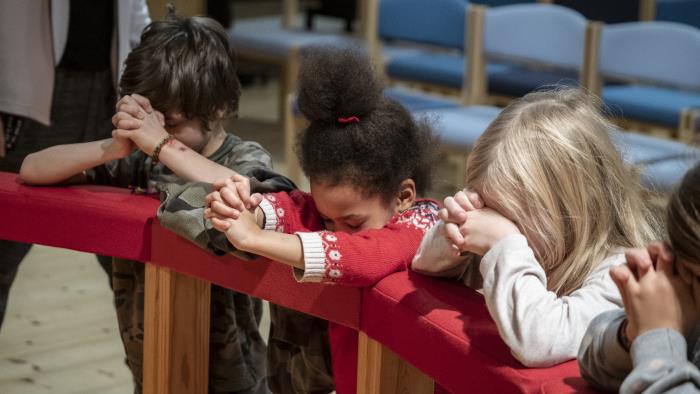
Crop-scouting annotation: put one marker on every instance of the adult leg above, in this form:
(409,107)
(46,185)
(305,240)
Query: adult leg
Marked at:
(12,254)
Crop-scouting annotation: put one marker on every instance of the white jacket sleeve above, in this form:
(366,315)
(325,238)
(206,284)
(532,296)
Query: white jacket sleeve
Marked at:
(435,256)
(541,328)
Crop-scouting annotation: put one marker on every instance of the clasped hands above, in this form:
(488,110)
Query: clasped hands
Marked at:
(137,125)
(471,226)
(657,291)
(234,210)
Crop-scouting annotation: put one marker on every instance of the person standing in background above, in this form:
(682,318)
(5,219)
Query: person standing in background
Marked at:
(60,61)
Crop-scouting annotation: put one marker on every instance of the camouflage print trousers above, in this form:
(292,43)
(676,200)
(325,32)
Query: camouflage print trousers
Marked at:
(236,349)
(298,353)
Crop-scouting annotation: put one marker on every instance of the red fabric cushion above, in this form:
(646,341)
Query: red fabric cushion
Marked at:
(261,278)
(92,218)
(440,326)
(445,330)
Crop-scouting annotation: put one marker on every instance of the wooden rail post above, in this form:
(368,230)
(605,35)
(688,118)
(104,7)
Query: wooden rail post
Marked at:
(176,332)
(381,371)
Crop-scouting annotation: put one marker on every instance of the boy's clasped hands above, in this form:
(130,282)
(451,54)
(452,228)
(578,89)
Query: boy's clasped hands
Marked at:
(137,125)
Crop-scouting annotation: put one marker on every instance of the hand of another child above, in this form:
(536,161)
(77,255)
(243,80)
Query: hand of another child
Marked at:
(455,213)
(242,232)
(457,207)
(230,198)
(655,297)
(482,229)
(239,231)
(235,191)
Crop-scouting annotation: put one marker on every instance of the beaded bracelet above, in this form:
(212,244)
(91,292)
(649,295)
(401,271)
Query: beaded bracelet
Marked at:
(160,145)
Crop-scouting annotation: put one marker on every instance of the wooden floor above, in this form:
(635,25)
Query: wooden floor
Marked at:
(60,333)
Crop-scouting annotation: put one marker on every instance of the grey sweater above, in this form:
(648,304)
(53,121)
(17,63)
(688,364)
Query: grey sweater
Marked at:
(658,360)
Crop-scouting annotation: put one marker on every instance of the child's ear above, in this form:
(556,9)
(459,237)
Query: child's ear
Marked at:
(407,195)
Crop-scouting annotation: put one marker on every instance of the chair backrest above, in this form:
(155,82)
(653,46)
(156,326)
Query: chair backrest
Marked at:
(498,3)
(535,33)
(433,22)
(612,11)
(681,11)
(663,53)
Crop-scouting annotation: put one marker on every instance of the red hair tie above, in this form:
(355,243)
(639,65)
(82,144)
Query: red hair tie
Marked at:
(350,119)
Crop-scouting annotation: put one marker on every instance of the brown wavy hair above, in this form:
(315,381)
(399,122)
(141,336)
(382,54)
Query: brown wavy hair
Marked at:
(683,218)
(184,65)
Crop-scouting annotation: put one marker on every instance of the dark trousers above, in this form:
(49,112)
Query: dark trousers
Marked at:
(83,104)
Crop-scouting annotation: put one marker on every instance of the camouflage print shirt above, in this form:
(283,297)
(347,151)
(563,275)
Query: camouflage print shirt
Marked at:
(182,203)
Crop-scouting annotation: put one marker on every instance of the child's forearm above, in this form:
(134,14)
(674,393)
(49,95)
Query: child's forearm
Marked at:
(285,248)
(190,165)
(62,162)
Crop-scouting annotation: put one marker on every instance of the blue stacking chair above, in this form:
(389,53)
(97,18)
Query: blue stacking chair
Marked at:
(438,27)
(665,175)
(612,11)
(649,73)
(498,3)
(519,48)
(661,162)
(681,11)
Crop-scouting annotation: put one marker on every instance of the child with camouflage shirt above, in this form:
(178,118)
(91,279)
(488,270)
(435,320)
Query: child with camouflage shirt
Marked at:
(186,69)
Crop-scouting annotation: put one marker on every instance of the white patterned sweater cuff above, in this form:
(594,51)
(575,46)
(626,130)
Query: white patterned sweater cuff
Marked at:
(314,258)
(270,215)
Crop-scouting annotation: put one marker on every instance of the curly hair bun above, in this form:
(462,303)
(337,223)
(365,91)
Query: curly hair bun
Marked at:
(336,83)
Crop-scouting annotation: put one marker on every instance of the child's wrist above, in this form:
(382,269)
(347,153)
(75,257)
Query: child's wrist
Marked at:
(160,146)
(111,151)
(259,217)
(252,242)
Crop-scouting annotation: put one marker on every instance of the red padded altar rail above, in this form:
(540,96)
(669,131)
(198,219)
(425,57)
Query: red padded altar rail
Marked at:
(261,278)
(444,329)
(88,218)
(114,222)
(439,326)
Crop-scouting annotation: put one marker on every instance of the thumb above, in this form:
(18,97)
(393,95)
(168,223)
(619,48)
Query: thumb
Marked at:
(255,200)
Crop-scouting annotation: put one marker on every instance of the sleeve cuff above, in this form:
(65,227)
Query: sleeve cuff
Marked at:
(664,343)
(270,215)
(611,338)
(314,258)
(509,242)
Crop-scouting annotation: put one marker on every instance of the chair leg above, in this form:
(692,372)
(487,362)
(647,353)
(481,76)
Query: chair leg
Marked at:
(687,129)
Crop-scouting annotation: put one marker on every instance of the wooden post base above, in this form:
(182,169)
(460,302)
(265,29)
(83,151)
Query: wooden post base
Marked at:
(381,371)
(176,332)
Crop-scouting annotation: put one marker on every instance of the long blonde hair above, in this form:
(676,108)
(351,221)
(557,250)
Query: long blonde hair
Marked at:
(548,161)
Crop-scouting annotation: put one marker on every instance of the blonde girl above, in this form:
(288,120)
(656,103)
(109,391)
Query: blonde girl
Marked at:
(548,206)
